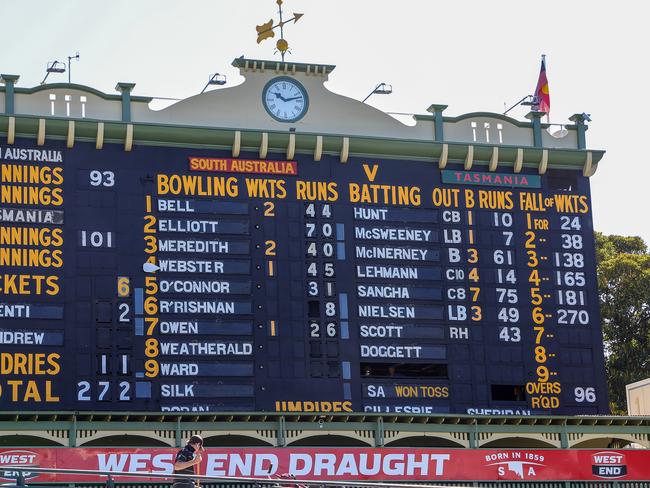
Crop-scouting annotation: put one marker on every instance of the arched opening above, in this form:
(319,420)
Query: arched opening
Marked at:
(602,443)
(234,441)
(517,442)
(328,440)
(19,440)
(125,440)
(423,441)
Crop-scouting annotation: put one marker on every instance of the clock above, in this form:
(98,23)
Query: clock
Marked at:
(285,99)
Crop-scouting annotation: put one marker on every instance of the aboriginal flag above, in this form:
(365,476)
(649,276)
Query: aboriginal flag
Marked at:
(542,96)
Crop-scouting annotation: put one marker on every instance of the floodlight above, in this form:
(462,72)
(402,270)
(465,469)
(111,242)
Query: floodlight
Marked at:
(380,89)
(215,79)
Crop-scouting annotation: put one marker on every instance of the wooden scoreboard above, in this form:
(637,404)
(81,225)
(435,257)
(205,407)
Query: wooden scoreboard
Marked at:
(180,277)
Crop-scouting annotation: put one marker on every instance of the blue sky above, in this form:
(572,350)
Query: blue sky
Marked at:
(470,55)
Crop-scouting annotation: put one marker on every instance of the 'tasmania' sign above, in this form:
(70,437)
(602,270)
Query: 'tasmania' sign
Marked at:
(491,179)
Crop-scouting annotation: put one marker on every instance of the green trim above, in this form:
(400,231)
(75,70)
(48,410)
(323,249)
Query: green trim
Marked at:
(438,120)
(536,119)
(271,64)
(473,115)
(491,115)
(360,146)
(356,419)
(467,431)
(581,127)
(437,107)
(74,86)
(10,82)
(125,89)
(4,77)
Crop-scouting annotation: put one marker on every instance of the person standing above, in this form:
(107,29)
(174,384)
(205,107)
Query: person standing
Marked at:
(185,461)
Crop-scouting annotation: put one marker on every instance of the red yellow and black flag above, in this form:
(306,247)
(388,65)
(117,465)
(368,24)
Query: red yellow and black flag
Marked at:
(542,95)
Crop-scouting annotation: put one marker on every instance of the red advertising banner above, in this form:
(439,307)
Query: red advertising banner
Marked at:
(389,464)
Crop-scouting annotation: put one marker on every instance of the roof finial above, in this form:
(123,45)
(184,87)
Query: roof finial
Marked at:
(265,31)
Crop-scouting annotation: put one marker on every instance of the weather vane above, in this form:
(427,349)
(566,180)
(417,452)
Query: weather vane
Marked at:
(265,31)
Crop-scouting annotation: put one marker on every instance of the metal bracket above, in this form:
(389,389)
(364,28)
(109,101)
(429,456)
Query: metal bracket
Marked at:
(345,150)
(236,144)
(11,130)
(264,145)
(100,136)
(128,142)
(494,161)
(442,163)
(40,137)
(469,159)
(519,160)
(318,150)
(543,164)
(291,148)
(70,138)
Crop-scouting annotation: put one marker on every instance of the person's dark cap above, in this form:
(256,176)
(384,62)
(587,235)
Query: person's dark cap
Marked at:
(196,439)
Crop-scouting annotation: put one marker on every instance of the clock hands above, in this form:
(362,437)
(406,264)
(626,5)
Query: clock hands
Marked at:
(277,95)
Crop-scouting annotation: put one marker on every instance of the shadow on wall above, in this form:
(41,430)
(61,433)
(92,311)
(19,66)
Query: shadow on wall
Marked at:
(423,441)
(517,442)
(328,441)
(603,443)
(28,441)
(124,440)
(234,441)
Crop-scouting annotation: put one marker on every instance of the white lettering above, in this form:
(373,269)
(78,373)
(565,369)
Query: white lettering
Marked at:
(391,234)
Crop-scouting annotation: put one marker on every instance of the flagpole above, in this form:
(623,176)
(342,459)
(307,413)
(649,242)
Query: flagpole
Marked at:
(548,114)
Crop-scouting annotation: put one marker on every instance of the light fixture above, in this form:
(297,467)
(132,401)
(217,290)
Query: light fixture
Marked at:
(70,58)
(528,100)
(558,133)
(215,79)
(380,89)
(53,67)
(586,117)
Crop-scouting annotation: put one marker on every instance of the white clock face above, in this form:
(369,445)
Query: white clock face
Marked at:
(285,99)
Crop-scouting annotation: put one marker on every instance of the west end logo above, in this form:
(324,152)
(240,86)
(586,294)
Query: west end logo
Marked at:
(17,457)
(608,464)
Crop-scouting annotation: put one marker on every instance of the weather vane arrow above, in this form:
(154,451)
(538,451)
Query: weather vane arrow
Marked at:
(266,30)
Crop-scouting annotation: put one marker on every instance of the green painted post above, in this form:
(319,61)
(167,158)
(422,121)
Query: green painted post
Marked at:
(536,119)
(438,121)
(564,437)
(472,436)
(72,433)
(379,432)
(9,81)
(125,89)
(178,435)
(581,129)
(281,434)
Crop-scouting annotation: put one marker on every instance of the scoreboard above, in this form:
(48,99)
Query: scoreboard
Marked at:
(183,279)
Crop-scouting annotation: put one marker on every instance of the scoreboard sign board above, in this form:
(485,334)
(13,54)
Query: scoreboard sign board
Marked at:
(182,279)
